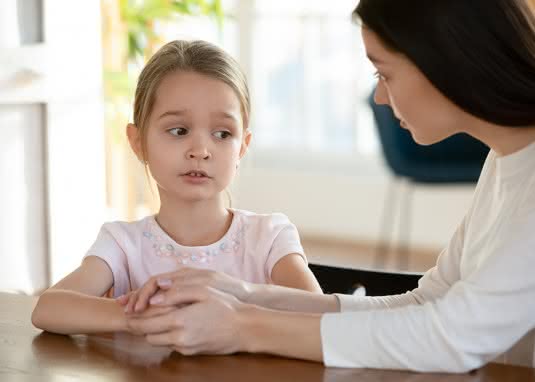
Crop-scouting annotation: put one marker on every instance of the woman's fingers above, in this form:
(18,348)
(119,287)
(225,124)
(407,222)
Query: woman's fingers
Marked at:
(138,301)
(174,339)
(163,339)
(157,324)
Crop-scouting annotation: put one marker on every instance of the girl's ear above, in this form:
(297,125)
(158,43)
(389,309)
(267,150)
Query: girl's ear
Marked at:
(245,143)
(134,137)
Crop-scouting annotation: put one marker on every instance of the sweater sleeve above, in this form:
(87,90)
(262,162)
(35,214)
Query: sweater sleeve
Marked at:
(433,284)
(478,318)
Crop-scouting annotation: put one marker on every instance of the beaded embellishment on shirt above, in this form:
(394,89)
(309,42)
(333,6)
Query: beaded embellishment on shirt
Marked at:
(162,247)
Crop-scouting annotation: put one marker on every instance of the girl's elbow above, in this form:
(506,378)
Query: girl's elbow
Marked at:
(36,318)
(38,314)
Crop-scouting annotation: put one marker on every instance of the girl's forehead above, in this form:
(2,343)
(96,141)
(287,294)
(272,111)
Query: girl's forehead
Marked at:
(195,92)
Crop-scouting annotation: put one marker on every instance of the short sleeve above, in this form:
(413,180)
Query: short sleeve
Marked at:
(108,247)
(286,241)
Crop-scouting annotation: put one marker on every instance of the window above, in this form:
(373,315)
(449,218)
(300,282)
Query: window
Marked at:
(310,78)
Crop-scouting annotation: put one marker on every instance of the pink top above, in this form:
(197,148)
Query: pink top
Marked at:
(249,250)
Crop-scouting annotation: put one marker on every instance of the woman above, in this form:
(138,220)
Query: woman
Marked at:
(444,66)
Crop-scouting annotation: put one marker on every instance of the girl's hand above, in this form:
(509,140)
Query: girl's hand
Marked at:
(152,311)
(128,301)
(209,321)
(185,277)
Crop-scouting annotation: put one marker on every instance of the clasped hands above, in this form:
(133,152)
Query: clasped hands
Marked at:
(193,311)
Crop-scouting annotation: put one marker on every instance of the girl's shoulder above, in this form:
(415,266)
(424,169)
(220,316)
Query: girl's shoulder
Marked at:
(125,231)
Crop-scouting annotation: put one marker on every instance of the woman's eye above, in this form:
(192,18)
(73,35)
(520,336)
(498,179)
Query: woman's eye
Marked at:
(222,134)
(178,131)
(379,76)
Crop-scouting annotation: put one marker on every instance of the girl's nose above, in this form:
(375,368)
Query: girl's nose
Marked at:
(199,151)
(199,155)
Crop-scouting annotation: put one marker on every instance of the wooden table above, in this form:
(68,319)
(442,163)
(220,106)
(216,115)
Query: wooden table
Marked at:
(27,354)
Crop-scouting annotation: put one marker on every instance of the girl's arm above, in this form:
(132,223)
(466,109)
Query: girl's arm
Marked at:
(292,271)
(74,305)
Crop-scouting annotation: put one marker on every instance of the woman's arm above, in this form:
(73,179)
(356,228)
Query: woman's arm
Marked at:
(288,334)
(292,271)
(74,304)
(165,287)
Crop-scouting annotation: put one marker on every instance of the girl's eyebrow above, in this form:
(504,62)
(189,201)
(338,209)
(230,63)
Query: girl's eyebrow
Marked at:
(176,113)
(226,115)
(220,114)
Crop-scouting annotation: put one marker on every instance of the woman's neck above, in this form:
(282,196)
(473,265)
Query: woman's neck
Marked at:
(194,223)
(503,140)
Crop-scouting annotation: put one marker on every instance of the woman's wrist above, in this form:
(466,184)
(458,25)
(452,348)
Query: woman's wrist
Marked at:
(288,334)
(250,322)
(246,292)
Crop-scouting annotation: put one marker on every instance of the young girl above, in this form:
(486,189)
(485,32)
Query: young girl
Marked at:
(190,129)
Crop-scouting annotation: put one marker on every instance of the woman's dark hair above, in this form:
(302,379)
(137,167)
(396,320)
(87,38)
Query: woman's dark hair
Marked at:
(478,53)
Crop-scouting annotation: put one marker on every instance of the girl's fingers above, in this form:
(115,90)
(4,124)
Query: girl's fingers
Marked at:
(123,300)
(131,303)
(185,295)
(146,292)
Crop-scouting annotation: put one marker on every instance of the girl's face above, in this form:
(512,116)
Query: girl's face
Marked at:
(421,108)
(195,137)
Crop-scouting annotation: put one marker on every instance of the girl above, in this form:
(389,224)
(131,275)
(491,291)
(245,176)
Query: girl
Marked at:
(190,129)
(444,66)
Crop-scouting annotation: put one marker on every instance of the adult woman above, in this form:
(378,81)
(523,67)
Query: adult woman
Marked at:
(444,66)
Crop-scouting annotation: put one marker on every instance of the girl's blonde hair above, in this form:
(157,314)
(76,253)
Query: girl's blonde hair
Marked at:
(194,56)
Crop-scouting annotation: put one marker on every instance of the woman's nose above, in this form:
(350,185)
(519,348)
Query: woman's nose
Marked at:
(380,97)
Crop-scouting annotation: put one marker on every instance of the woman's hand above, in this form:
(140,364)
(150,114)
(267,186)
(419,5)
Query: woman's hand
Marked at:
(139,300)
(201,320)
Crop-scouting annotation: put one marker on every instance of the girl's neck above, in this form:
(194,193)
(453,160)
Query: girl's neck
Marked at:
(194,224)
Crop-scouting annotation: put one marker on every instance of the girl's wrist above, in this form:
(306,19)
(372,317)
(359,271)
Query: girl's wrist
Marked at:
(119,320)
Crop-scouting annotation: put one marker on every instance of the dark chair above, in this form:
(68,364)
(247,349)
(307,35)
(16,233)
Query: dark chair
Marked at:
(374,283)
(455,160)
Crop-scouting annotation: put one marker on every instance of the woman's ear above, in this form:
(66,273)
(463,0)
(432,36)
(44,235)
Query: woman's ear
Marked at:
(134,138)
(245,142)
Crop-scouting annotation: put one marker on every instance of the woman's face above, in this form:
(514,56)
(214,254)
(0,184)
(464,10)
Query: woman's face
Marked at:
(421,108)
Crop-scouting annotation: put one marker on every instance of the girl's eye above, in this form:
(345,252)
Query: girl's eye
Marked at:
(178,131)
(222,134)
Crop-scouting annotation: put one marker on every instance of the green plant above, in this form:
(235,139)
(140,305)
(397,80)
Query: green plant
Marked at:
(139,18)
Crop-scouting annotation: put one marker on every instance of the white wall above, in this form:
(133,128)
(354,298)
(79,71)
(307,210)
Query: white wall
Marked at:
(52,183)
(349,206)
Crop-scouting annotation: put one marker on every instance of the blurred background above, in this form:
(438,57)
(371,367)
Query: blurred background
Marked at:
(67,77)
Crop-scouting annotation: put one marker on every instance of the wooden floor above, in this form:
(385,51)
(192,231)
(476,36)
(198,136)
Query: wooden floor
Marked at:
(367,256)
